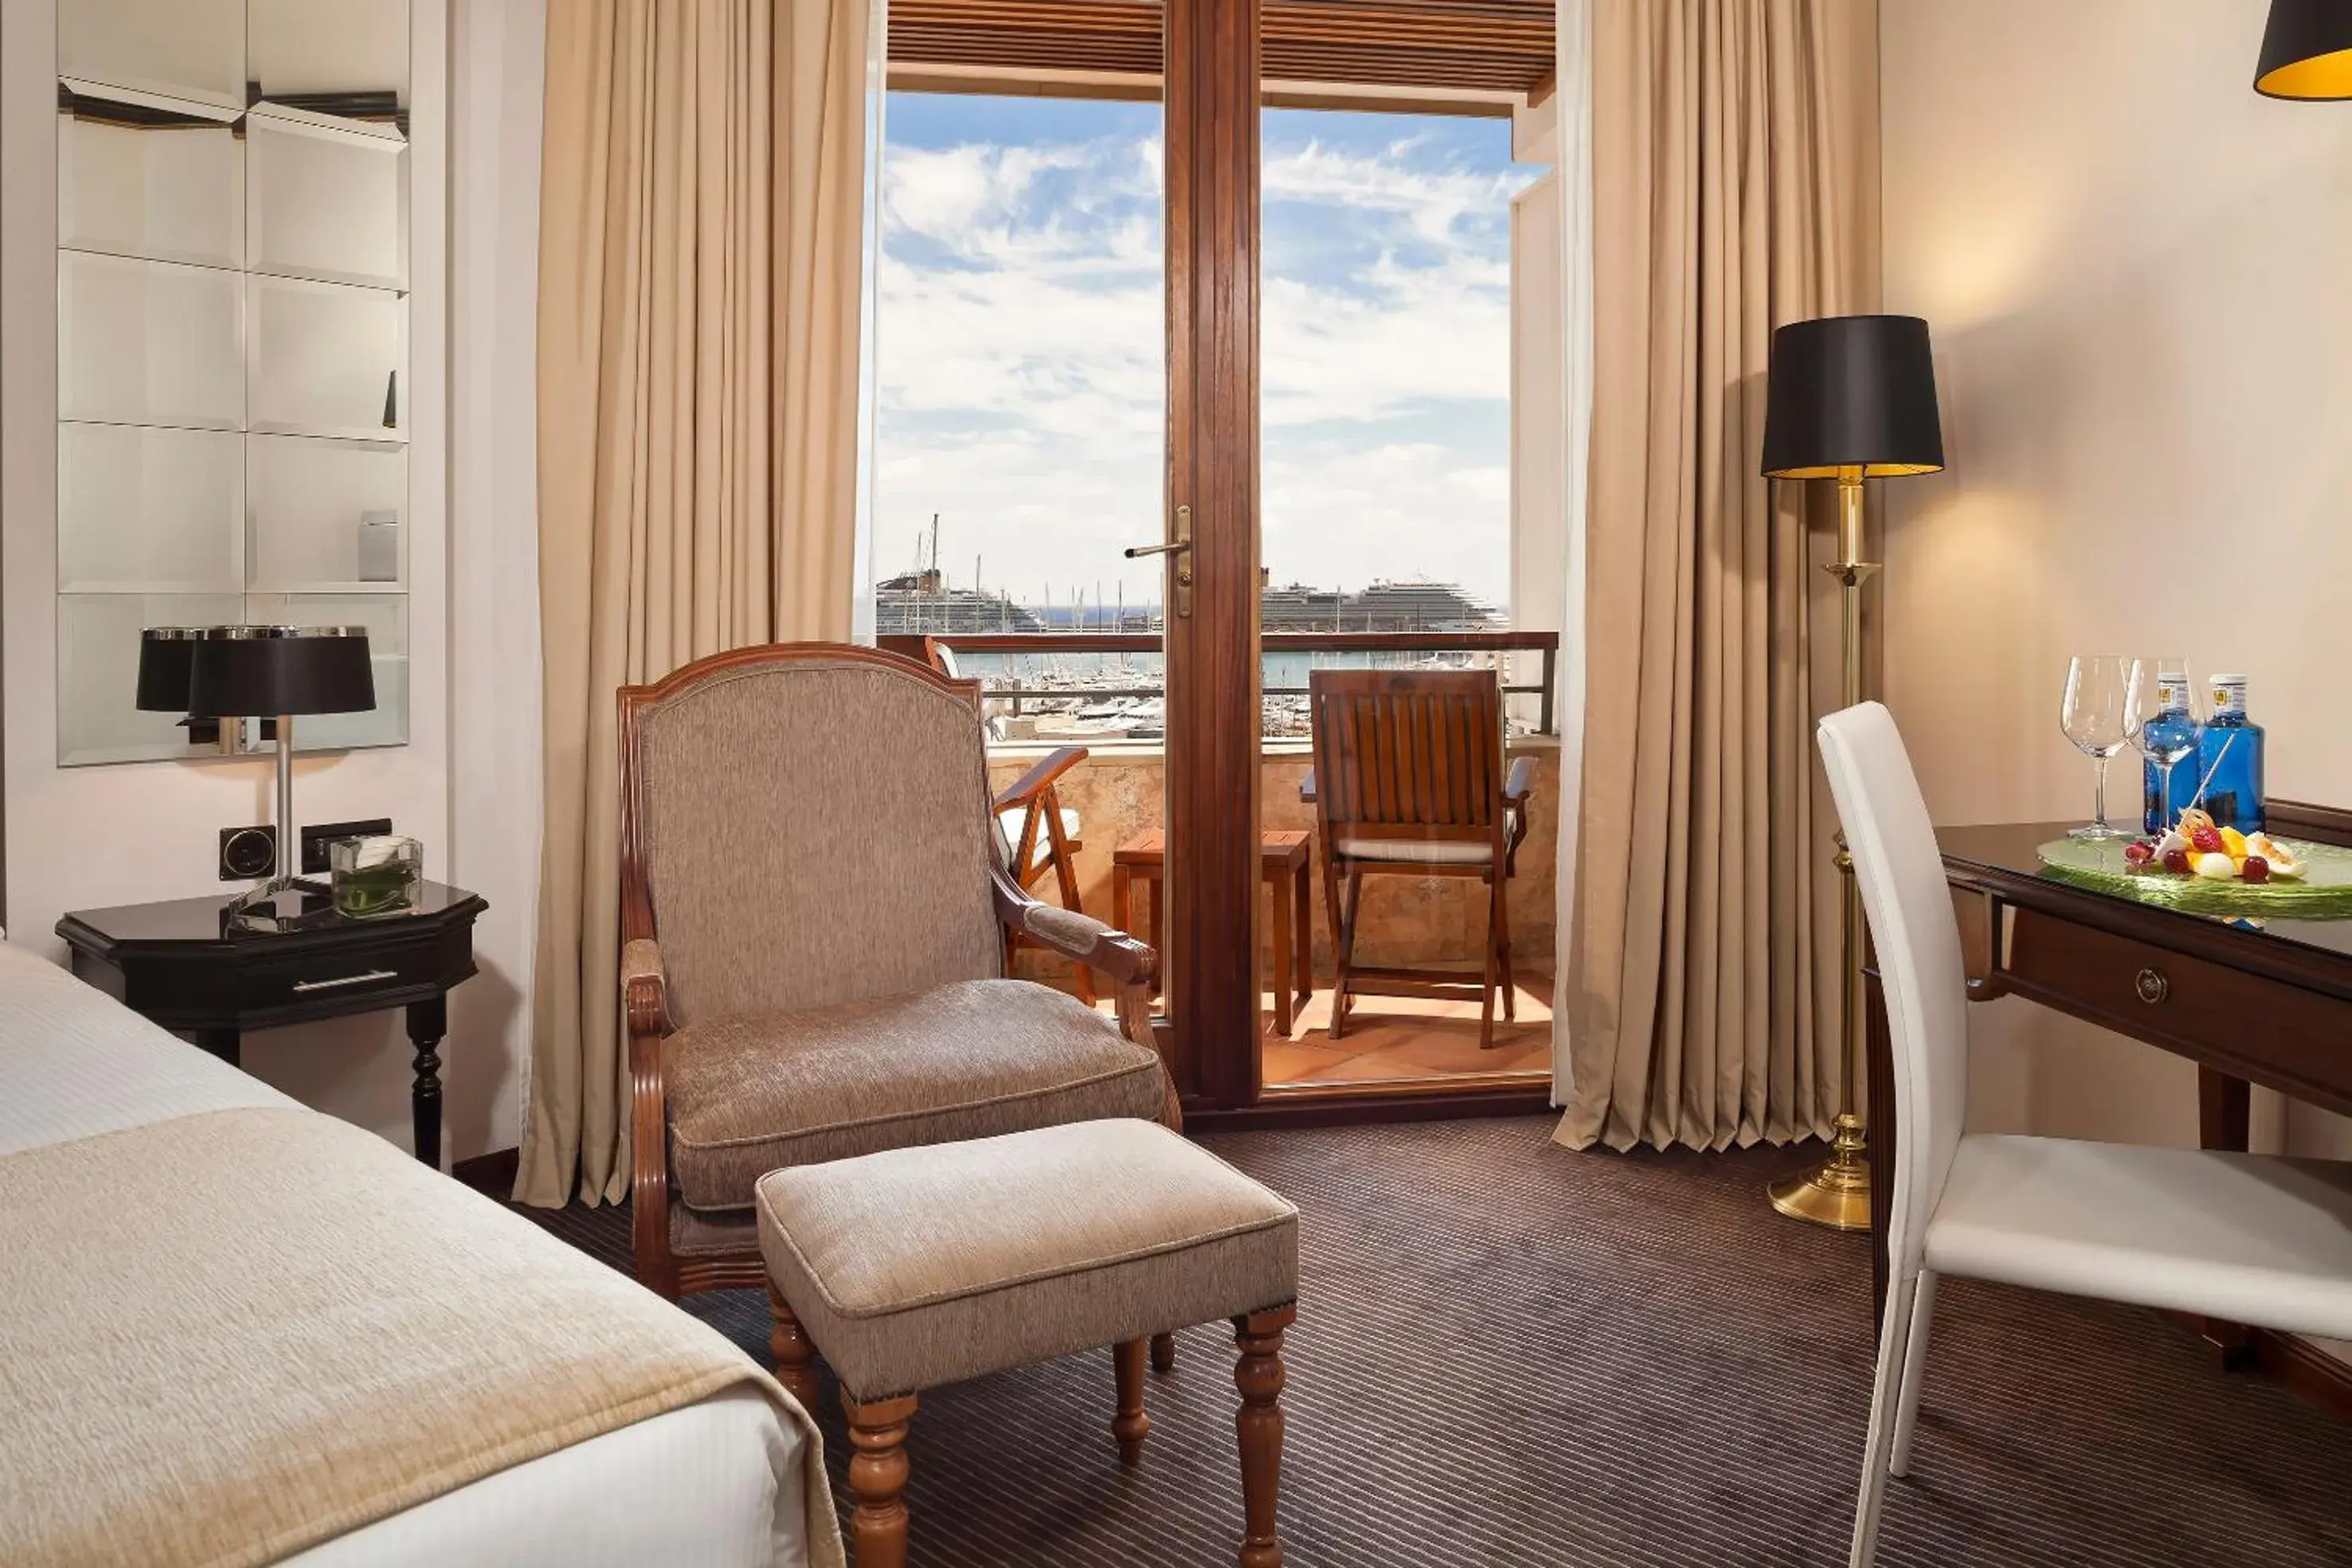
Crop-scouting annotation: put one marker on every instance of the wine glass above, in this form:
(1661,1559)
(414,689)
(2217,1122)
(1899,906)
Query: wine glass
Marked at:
(2092,714)
(2166,720)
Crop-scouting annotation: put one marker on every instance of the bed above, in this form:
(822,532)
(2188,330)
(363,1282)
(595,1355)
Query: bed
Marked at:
(724,1480)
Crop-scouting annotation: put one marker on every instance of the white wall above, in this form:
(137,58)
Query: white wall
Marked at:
(466,783)
(2139,277)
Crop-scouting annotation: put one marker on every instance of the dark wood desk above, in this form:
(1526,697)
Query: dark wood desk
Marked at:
(2272,1007)
(171,963)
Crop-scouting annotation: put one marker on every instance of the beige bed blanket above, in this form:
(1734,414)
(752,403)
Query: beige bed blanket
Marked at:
(230,1337)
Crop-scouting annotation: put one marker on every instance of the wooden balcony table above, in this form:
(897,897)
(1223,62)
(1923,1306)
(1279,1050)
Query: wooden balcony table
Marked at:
(1284,855)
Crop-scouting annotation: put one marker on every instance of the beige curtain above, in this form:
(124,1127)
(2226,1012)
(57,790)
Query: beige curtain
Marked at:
(700,226)
(1735,180)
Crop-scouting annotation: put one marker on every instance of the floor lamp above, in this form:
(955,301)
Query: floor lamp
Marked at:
(1851,398)
(2307,51)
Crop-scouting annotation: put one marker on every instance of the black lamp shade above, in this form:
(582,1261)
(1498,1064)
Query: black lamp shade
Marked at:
(245,672)
(2306,50)
(165,656)
(1852,391)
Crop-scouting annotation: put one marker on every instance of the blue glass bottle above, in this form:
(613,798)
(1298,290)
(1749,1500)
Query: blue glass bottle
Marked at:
(2174,730)
(2230,759)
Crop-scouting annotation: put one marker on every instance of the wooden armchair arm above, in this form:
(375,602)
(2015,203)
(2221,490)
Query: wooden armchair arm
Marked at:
(1038,782)
(645,1003)
(644,989)
(1078,938)
(1132,966)
(1518,785)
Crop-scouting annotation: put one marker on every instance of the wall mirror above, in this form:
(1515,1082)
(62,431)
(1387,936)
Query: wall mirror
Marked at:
(232,239)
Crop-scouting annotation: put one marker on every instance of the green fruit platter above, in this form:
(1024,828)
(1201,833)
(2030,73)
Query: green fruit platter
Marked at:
(2200,868)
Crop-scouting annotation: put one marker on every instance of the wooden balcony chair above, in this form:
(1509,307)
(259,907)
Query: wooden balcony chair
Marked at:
(792,1002)
(1409,780)
(1038,832)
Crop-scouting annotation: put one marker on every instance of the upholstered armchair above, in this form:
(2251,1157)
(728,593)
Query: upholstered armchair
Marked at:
(814,903)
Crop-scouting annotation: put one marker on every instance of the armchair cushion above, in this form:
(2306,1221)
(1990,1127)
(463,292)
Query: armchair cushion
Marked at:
(754,1093)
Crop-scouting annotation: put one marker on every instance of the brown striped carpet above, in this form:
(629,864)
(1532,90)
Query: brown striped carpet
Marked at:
(1507,1354)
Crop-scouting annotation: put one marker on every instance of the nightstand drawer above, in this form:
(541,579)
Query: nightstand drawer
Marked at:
(338,980)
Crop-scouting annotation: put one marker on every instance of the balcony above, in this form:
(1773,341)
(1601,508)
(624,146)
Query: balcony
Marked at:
(1100,690)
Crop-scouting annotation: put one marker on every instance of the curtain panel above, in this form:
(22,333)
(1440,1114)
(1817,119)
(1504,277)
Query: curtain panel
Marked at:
(1735,175)
(698,272)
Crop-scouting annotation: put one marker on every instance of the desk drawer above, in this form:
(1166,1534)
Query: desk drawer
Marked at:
(335,982)
(2254,1027)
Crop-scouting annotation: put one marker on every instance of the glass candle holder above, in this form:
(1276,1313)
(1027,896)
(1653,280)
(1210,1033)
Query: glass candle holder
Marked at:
(375,876)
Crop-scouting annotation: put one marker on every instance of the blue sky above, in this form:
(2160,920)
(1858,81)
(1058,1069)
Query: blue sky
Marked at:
(1020,349)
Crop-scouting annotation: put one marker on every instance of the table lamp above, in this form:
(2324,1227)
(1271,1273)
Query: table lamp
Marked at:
(165,653)
(2307,51)
(276,673)
(1850,398)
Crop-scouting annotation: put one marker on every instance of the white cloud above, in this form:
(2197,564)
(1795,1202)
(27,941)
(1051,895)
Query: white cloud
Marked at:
(1020,362)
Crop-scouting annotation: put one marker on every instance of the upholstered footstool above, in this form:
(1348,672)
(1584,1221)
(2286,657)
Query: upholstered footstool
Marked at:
(918,1267)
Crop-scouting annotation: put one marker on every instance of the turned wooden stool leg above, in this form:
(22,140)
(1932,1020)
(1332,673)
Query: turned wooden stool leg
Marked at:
(795,1355)
(1130,1424)
(1163,1353)
(1259,1376)
(877,1474)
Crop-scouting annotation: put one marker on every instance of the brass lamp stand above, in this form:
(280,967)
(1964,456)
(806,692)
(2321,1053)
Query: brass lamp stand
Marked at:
(1837,1192)
(1850,398)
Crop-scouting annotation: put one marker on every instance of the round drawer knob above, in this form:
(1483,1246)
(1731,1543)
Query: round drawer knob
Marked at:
(2152,986)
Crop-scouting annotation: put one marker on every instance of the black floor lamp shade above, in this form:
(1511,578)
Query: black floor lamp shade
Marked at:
(243,672)
(2306,50)
(1852,391)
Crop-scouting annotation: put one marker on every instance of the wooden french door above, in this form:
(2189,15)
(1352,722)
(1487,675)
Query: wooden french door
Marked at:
(1211,83)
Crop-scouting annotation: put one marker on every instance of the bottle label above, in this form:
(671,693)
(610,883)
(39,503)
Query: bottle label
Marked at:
(2172,692)
(2229,696)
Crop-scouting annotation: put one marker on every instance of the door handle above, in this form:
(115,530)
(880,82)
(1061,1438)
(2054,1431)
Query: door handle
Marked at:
(1179,549)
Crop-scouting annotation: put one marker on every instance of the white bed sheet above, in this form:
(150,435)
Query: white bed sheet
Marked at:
(715,1485)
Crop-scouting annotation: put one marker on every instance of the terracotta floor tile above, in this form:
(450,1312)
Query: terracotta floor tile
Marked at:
(1289,1062)
(1395,1039)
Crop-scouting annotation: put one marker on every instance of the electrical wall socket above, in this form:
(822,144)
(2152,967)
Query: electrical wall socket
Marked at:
(317,836)
(248,854)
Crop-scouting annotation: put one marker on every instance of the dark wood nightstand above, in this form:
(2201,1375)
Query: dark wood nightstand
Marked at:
(171,963)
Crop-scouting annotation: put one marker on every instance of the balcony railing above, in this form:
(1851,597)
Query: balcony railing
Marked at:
(1093,678)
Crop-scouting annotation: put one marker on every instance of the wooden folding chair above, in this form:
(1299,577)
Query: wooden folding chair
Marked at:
(1409,780)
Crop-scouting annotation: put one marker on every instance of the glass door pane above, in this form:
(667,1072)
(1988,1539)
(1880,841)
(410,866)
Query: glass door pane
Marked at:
(1389,485)
(1020,384)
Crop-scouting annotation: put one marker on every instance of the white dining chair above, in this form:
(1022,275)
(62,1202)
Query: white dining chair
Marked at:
(2252,1239)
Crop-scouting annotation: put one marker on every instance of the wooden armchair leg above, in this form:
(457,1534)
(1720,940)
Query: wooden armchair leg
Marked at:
(1259,1376)
(877,1475)
(1130,1424)
(795,1354)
